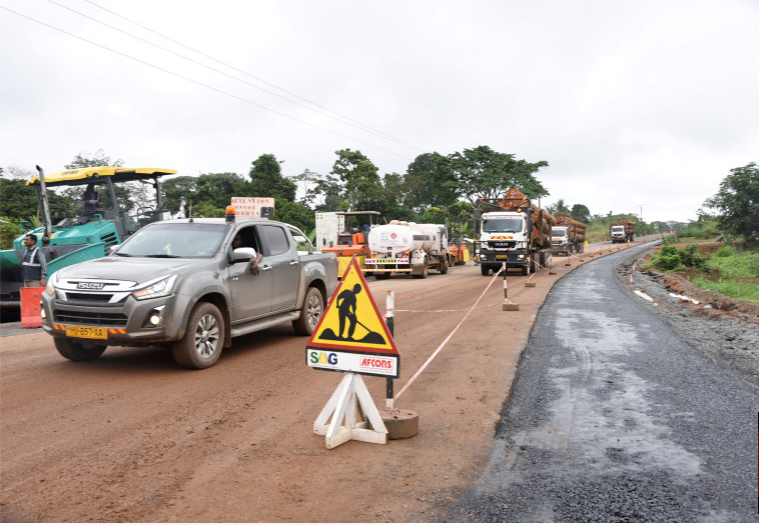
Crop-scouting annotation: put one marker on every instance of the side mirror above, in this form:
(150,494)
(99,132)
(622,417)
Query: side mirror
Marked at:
(243,254)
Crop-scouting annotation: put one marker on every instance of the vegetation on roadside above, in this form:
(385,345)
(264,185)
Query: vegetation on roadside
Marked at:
(728,270)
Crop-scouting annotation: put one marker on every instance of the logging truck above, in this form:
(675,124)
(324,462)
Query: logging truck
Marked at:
(513,231)
(567,236)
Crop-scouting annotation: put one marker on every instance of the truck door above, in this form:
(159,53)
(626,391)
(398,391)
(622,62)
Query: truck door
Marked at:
(251,294)
(282,264)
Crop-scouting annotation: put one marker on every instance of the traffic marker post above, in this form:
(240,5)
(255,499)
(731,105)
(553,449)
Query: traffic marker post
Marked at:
(400,424)
(507,306)
(390,321)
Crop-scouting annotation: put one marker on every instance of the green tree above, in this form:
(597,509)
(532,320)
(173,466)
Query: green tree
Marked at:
(430,181)
(482,172)
(397,194)
(581,213)
(327,195)
(738,202)
(362,188)
(306,180)
(297,214)
(93,160)
(267,180)
(560,209)
(127,194)
(210,189)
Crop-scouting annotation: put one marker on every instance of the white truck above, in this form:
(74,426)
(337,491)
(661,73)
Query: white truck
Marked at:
(407,247)
(516,232)
(567,236)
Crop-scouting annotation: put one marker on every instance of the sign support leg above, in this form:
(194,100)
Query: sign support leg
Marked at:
(352,413)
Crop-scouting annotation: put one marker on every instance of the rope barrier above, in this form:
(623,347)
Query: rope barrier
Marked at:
(436,352)
(443,311)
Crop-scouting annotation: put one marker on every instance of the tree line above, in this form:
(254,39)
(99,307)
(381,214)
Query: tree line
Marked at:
(436,188)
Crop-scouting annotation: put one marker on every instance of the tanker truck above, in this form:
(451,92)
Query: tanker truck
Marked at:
(567,236)
(623,231)
(406,247)
(515,232)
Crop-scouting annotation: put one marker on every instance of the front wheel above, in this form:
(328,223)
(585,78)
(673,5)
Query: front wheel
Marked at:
(78,351)
(484,269)
(443,266)
(311,313)
(203,340)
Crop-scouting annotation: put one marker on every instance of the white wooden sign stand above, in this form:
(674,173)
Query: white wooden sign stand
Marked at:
(353,413)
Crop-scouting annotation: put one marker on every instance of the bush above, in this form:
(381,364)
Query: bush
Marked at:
(691,258)
(700,230)
(724,251)
(9,230)
(667,259)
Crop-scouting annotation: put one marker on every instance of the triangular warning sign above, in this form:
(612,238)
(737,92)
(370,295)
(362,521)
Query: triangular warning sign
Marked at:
(352,321)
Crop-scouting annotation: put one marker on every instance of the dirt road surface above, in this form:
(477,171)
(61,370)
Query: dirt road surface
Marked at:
(131,437)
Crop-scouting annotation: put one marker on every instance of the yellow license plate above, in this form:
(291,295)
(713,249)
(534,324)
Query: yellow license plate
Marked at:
(501,256)
(87,332)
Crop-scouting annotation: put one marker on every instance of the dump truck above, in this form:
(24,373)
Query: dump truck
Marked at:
(513,231)
(352,241)
(567,236)
(406,247)
(74,239)
(623,231)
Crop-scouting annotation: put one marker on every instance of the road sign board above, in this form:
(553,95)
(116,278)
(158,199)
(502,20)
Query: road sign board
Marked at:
(352,335)
(253,207)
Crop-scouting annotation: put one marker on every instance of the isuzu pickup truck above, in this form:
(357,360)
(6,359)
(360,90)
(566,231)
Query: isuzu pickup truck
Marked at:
(192,285)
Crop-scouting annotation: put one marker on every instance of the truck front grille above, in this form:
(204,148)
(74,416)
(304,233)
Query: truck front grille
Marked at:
(502,244)
(89,318)
(91,299)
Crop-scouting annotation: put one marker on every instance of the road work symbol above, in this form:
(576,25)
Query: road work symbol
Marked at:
(346,306)
(351,321)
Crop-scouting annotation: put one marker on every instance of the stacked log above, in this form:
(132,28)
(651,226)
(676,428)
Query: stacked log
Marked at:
(542,221)
(576,228)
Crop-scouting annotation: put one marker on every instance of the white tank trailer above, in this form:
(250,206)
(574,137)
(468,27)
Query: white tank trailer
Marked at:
(407,247)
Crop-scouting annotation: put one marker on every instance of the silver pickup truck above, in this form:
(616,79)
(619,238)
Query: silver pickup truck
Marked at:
(190,285)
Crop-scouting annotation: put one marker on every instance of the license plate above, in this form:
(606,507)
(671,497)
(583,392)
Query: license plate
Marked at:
(501,256)
(87,332)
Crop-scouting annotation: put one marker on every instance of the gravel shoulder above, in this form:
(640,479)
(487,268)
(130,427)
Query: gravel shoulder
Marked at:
(724,329)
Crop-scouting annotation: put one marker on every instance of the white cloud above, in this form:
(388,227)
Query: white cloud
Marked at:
(634,102)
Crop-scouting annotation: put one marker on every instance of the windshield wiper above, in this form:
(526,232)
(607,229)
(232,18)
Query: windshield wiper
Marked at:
(124,254)
(163,256)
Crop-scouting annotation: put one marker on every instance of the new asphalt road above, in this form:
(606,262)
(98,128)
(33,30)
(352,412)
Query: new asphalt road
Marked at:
(614,418)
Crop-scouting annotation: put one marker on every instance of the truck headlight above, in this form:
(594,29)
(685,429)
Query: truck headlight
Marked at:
(157,288)
(50,288)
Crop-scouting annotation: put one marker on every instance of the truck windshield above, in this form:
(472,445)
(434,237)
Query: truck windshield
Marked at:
(191,240)
(617,228)
(502,224)
(558,232)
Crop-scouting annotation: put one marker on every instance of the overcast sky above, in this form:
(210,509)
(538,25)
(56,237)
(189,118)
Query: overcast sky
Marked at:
(632,103)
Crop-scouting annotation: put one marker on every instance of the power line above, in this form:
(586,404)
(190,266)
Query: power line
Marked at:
(204,85)
(327,112)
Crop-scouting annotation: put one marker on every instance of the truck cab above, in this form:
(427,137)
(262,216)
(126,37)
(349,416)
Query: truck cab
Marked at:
(560,239)
(504,237)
